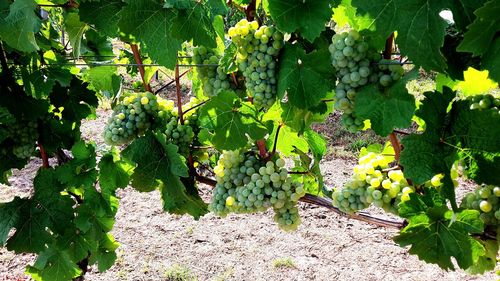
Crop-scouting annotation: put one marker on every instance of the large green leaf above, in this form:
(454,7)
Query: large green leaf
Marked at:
(104,15)
(491,60)
(75,29)
(151,24)
(231,121)
(420,28)
(194,24)
(481,32)
(387,109)
(306,17)
(54,264)
(160,166)
(306,78)
(18,24)
(425,155)
(436,234)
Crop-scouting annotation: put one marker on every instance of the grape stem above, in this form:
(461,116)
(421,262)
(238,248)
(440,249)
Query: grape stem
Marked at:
(401,132)
(43,154)
(327,203)
(250,10)
(178,94)
(261,144)
(171,82)
(196,106)
(396,145)
(235,81)
(276,140)
(138,60)
(298,172)
(3,61)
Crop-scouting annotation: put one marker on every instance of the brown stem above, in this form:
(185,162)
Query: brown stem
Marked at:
(171,82)
(178,94)
(138,60)
(298,172)
(276,140)
(388,47)
(250,10)
(205,180)
(62,157)
(400,132)
(396,145)
(43,154)
(235,81)
(327,203)
(261,144)
(196,106)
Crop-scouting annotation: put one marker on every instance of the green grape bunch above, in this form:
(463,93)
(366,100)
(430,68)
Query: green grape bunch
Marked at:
(258,50)
(212,77)
(245,184)
(181,135)
(358,65)
(373,182)
(135,114)
(485,102)
(485,199)
(23,136)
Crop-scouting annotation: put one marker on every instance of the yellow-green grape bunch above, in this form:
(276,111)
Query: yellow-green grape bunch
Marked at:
(258,49)
(485,102)
(485,199)
(246,184)
(133,116)
(355,63)
(24,136)
(371,185)
(212,77)
(179,134)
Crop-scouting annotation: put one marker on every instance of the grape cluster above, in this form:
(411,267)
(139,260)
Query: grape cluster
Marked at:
(258,49)
(135,113)
(354,62)
(24,135)
(484,102)
(213,78)
(370,184)
(485,199)
(247,185)
(180,135)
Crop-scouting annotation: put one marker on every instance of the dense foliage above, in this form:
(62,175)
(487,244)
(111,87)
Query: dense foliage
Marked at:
(262,87)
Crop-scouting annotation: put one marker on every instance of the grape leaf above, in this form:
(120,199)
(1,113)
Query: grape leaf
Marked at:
(436,234)
(425,155)
(488,261)
(287,140)
(9,217)
(75,29)
(160,166)
(114,173)
(194,24)
(306,78)
(104,79)
(491,60)
(18,24)
(151,24)
(392,108)
(306,17)
(80,171)
(54,264)
(478,130)
(104,15)
(48,210)
(482,167)
(463,11)
(231,120)
(481,32)
(420,28)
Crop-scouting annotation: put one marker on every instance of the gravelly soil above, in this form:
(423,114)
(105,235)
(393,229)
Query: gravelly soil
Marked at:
(242,247)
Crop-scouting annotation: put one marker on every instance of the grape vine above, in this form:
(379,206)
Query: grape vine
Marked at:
(262,80)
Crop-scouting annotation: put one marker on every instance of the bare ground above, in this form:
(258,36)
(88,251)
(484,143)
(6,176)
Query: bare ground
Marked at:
(159,246)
